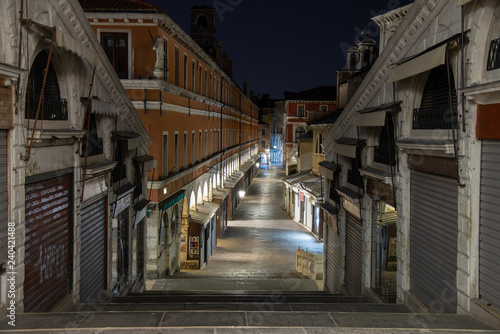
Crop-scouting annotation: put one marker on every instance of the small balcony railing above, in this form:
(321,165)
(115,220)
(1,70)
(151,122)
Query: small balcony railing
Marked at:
(52,109)
(440,117)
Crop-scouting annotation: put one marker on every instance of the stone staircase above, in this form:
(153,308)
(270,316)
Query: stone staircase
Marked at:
(241,312)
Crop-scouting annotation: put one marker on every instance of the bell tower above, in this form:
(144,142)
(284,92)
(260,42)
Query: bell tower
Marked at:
(203,29)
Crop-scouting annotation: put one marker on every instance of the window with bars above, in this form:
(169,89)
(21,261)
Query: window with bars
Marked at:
(494,55)
(435,111)
(52,106)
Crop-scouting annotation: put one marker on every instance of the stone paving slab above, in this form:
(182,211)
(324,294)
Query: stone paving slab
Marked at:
(110,319)
(394,320)
(204,319)
(288,319)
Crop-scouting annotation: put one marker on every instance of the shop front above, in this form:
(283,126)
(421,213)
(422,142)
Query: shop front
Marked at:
(220,197)
(201,234)
(48,241)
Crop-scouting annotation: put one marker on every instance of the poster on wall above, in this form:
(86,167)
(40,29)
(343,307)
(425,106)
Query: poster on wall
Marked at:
(193,245)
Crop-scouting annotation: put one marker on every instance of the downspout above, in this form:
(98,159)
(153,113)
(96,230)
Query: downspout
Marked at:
(450,105)
(89,103)
(462,46)
(21,15)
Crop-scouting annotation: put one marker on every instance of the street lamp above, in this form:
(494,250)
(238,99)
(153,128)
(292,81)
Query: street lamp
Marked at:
(242,193)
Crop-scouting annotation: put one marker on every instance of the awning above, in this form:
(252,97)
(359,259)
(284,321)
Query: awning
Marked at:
(387,218)
(423,63)
(346,192)
(131,138)
(313,186)
(370,119)
(463,2)
(347,147)
(171,200)
(220,193)
(203,213)
(327,169)
(148,161)
(331,209)
(100,167)
(64,40)
(104,108)
(290,179)
(375,116)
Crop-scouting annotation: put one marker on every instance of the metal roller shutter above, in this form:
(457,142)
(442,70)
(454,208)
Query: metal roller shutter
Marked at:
(489,230)
(47,243)
(333,260)
(433,238)
(93,253)
(3,196)
(354,256)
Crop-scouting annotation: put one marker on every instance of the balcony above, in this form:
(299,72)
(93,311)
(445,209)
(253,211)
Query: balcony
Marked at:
(52,109)
(435,118)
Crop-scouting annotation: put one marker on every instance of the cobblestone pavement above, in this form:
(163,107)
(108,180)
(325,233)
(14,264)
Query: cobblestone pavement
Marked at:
(257,249)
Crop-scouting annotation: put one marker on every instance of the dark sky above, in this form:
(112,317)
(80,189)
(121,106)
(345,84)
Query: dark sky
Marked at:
(279,45)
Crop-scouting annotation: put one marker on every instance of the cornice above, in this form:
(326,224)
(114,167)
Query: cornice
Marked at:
(165,22)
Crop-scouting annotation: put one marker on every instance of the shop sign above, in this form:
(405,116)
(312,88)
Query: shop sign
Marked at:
(302,196)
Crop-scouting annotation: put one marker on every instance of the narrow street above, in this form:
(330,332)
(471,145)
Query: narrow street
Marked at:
(257,251)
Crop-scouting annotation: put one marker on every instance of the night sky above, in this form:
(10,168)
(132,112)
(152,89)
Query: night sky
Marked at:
(283,45)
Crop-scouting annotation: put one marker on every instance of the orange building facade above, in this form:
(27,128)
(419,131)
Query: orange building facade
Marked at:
(297,108)
(203,126)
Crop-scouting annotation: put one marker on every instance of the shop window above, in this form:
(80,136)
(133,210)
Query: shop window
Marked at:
(115,46)
(435,111)
(52,107)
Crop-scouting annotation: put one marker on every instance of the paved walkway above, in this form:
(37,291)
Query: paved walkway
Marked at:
(257,251)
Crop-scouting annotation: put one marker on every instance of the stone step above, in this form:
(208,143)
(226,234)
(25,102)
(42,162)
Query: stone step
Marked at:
(239,306)
(237,321)
(278,297)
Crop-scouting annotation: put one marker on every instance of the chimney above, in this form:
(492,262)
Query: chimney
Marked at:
(229,70)
(245,87)
(218,53)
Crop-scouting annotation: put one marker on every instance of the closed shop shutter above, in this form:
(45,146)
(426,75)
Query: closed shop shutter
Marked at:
(333,260)
(433,238)
(354,256)
(3,196)
(47,243)
(489,230)
(93,253)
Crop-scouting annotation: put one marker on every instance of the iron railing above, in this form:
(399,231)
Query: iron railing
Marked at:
(52,109)
(440,117)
